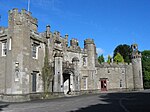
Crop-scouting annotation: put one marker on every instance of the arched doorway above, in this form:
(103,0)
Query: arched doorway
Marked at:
(68,82)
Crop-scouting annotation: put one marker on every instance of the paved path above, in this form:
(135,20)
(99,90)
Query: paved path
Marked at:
(104,102)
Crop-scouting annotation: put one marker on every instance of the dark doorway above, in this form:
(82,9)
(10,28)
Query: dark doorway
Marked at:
(66,81)
(103,85)
(34,81)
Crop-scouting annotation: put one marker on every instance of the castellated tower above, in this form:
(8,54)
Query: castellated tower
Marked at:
(137,68)
(90,46)
(19,53)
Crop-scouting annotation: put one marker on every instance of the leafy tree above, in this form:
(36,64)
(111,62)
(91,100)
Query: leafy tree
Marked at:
(146,68)
(118,58)
(101,59)
(109,59)
(125,51)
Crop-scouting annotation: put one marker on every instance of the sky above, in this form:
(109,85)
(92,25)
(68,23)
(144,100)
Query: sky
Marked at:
(109,22)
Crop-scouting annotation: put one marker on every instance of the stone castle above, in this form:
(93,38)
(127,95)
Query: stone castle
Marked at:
(75,69)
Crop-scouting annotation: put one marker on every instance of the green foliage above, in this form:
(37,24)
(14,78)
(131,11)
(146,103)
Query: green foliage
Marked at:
(118,58)
(146,68)
(146,85)
(109,59)
(101,59)
(125,51)
(47,72)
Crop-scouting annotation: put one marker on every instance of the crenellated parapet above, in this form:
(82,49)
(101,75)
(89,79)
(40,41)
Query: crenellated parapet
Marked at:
(114,65)
(74,42)
(60,43)
(88,41)
(57,37)
(135,52)
(74,46)
(22,17)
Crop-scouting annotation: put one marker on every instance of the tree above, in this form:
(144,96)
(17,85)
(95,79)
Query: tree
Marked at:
(125,51)
(118,58)
(109,59)
(101,59)
(146,68)
(47,73)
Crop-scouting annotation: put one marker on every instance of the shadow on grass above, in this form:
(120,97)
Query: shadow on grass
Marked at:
(120,102)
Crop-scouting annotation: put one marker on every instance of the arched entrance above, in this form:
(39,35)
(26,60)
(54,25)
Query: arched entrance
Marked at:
(68,81)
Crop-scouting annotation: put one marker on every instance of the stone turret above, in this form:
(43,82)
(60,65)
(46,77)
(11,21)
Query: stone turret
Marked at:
(137,68)
(90,46)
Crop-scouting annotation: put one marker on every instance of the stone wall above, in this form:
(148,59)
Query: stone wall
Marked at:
(118,76)
(2,70)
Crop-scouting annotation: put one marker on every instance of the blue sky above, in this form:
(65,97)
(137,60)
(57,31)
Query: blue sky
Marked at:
(108,22)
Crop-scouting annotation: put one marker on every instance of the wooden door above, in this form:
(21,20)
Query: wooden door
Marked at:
(103,85)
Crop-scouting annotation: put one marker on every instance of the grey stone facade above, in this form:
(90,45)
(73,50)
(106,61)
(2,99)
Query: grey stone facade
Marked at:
(75,69)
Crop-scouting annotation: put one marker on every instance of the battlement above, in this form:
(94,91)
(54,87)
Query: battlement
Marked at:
(89,41)
(135,52)
(58,38)
(57,33)
(114,65)
(137,55)
(16,11)
(74,42)
(23,15)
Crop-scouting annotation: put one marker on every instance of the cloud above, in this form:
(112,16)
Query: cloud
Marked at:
(99,51)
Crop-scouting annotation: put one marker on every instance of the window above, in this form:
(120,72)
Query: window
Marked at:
(34,81)
(84,61)
(17,71)
(4,48)
(120,83)
(10,43)
(85,83)
(35,51)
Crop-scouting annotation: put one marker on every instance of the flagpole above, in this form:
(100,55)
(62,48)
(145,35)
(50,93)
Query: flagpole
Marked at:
(0,19)
(28,5)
